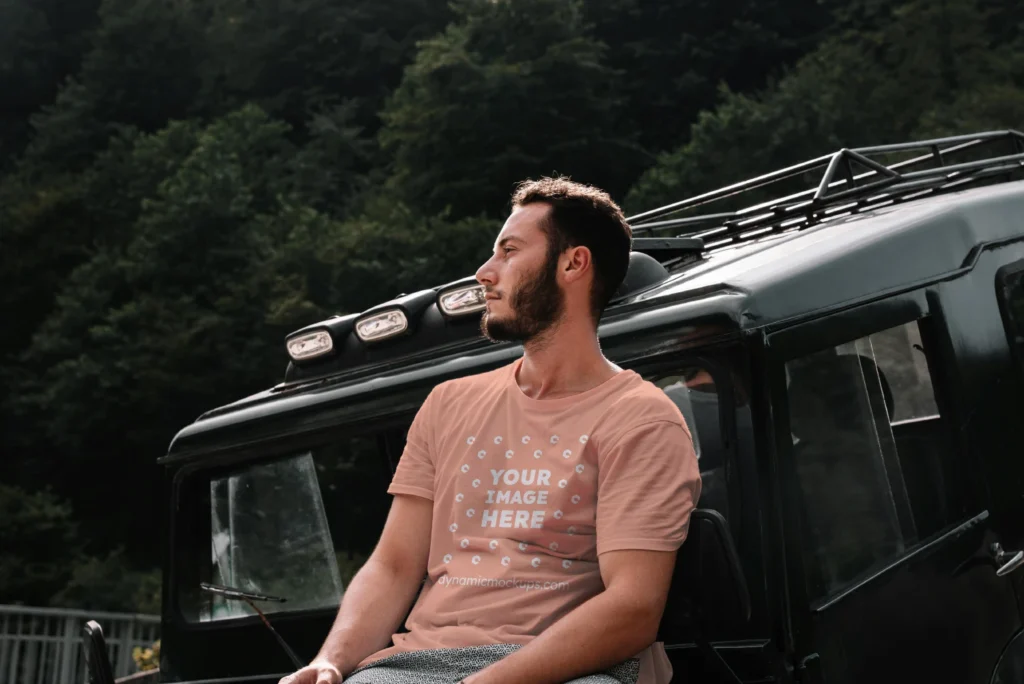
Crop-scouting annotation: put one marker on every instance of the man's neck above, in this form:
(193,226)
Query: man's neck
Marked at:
(566,361)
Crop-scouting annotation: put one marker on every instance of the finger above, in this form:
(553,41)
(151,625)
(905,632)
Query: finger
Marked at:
(328,675)
(297,677)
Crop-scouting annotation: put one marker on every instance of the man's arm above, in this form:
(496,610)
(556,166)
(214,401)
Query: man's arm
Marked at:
(380,594)
(614,626)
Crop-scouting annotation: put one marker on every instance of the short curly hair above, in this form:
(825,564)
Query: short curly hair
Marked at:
(583,216)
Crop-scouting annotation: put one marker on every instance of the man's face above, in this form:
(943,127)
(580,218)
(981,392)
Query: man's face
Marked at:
(524,298)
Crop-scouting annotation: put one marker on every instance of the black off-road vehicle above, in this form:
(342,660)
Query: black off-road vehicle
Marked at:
(850,358)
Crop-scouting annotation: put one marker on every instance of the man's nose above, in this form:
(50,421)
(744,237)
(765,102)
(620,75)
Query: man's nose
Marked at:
(485,274)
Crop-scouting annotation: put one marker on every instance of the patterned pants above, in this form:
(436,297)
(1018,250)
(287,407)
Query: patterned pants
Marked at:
(450,665)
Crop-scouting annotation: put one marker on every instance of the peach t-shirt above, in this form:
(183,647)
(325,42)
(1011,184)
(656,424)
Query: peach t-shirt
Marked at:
(528,493)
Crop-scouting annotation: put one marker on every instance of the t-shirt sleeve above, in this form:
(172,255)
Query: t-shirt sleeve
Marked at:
(648,484)
(415,471)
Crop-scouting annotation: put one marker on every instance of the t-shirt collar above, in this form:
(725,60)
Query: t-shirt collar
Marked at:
(555,404)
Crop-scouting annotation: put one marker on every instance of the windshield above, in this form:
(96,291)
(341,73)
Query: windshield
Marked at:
(298,528)
(269,535)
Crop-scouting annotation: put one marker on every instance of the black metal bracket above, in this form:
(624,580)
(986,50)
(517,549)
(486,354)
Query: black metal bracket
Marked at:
(668,248)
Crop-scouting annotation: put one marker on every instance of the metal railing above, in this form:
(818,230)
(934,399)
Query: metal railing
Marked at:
(44,645)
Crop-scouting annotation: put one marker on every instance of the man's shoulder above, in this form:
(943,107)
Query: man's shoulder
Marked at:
(641,403)
(643,396)
(472,385)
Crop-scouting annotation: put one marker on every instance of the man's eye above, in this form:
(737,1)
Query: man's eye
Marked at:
(508,249)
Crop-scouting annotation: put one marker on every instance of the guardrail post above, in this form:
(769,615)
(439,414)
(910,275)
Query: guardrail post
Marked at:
(68,650)
(31,651)
(6,642)
(124,654)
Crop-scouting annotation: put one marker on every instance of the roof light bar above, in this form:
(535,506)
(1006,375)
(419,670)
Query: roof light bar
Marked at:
(381,326)
(310,346)
(462,300)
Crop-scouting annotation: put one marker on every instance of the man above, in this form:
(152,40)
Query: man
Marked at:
(543,501)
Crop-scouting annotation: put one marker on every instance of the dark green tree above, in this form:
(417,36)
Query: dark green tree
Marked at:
(142,70)
(36,529)
(59,221)
(41,44)
(27,70)
(511,89)
(299,58)
(46,561)
(110,582)
(226,254)
(390,243)
(672,56)
(913,78)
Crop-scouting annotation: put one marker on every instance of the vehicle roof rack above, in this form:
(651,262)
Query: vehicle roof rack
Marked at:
(840,190)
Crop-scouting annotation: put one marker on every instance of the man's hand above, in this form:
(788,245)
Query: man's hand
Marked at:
(320,671)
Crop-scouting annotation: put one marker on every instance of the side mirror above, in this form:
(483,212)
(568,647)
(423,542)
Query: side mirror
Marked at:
(709,588)
(97,660)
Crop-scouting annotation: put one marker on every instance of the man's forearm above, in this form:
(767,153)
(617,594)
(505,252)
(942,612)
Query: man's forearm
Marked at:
(371,611)
(601,633)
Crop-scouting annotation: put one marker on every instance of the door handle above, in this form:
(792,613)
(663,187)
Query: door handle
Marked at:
(1006,561)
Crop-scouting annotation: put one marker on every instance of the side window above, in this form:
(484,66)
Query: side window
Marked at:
(1010,292)
(871,454)
(902,370)
(694,391)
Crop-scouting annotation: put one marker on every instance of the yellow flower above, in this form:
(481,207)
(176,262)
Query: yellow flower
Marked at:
(148,658)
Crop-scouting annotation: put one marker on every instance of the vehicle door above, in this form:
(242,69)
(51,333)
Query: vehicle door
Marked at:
(711,390)
(984,311)
(887,521)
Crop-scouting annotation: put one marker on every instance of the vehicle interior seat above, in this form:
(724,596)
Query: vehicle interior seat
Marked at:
(837,441)
(643,271)
(919,447)
(702,415)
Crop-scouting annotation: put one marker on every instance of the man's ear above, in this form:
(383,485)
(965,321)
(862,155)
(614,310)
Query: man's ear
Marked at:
(578,263)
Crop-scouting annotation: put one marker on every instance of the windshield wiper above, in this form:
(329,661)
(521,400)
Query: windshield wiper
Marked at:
(233,594)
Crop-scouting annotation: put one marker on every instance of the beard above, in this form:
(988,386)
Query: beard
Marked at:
(536,306)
